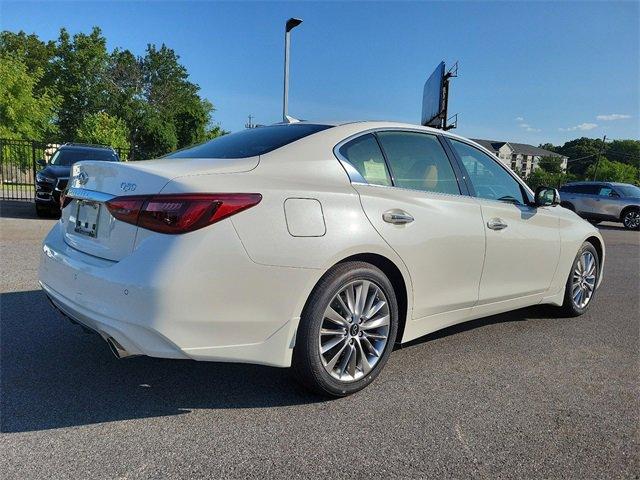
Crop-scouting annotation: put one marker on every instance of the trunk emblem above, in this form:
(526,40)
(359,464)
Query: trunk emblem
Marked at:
(127,187)
(82,178)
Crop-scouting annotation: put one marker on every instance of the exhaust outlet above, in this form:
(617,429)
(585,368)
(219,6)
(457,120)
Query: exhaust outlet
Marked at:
(117,349)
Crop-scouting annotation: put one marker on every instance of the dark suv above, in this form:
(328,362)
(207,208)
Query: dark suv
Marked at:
(608,201)
(52,179)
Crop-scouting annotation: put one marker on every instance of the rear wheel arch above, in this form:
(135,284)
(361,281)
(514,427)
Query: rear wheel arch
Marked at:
(393,273)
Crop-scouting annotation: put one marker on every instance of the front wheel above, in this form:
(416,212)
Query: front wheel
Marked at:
(347,330)
(631,219)
(582,281)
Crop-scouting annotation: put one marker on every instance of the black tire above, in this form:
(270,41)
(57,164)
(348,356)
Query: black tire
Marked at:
(307,363)
(629,218)
(569,307)
(42,211)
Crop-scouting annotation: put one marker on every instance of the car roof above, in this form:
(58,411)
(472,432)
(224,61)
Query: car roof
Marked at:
(375,124)
(84,146)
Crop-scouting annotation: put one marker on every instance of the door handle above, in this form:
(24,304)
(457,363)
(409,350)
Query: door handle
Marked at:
(397,217)
(496,224)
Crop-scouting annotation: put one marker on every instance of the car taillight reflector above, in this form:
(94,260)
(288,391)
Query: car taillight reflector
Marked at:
(179,213)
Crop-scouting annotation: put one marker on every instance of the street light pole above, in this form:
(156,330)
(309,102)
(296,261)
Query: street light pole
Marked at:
(290,25)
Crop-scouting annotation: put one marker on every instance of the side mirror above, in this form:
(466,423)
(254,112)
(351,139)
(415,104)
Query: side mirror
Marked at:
(41,163)
(547,196)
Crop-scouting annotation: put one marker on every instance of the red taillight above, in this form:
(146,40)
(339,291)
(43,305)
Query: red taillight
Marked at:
(179,213)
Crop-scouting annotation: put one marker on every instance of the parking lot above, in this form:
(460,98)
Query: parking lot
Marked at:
(521,394)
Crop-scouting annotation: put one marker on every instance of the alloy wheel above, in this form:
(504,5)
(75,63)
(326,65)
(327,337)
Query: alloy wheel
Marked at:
(354,330)
(632,219)
(584,280)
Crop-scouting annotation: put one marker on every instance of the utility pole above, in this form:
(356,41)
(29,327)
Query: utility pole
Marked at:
(290,25)
(595,170)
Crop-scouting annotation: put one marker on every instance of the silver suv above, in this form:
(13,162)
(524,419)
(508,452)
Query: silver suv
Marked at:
(603,201)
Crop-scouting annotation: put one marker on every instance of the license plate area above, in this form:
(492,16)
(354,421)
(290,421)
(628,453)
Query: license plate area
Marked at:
(87,216)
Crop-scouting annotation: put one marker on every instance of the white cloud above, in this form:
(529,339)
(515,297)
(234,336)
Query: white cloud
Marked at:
(528,128)
(519,119)
(613,116)
(583,126)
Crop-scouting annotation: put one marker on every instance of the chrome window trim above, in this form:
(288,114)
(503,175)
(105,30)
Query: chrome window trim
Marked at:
(92,195)
(357,179)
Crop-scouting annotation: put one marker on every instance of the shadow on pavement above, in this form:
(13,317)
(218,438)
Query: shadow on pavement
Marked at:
(54,375)
(17,209)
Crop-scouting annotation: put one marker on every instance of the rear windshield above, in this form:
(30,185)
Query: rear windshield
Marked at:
(68,157)
(250,142)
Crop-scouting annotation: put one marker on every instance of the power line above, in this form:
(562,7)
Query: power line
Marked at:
(581,158)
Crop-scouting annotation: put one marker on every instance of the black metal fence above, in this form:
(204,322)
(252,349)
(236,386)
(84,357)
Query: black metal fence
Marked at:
(18,166)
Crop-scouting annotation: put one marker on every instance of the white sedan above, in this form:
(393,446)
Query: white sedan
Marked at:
(311,246)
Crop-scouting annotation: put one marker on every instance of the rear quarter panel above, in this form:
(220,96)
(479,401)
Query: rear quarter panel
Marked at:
(306,169)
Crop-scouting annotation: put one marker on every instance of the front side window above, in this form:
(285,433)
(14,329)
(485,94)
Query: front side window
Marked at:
(629,190)
(489,179)
(418,162)
(607,192)
(364,154)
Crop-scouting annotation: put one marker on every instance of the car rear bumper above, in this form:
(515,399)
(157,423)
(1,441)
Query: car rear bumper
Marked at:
(195,296)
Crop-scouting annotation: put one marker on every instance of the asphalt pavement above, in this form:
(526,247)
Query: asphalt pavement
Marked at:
(518,395)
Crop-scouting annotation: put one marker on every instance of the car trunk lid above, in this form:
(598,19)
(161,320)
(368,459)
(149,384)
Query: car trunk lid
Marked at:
(88,225)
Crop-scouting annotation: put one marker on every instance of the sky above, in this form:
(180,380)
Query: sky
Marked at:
(529,72)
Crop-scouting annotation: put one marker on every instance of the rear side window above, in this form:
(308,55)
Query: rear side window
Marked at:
(250,142)
(365,156)
(587,189)
(418,162)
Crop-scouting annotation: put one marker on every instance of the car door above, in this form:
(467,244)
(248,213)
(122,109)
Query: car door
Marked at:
(522,241)
(591,199)
(411,195)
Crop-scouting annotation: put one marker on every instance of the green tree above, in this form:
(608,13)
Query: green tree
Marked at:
(551,164)
(214,132)
(161,109)
(547,146)
(611,171)
(104,129)
(79,68)
(579,149)
(624,151)
(24,113)
(541,177)
(34,53)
